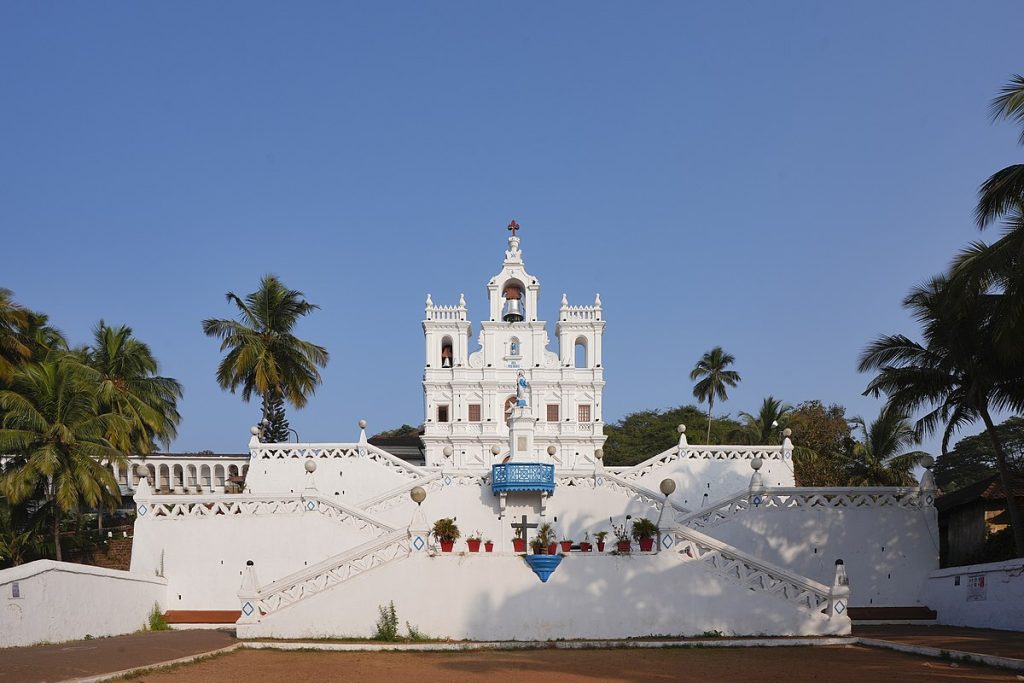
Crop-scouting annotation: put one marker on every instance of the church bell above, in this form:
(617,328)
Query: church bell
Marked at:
(512,312)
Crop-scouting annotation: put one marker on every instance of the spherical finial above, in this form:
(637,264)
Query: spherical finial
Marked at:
(926,461)
(418,494)
(599,453)
(787,432)
(448,451)
(552,450)
(310,465)
(756,463)
(681,429)
(141,471)
(495,449)
(362,424)
(254,431)
(668,486)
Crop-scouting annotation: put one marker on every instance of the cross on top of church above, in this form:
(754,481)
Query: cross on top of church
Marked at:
(513,226)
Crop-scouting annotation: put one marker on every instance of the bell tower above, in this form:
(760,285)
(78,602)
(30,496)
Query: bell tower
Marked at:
(471,401)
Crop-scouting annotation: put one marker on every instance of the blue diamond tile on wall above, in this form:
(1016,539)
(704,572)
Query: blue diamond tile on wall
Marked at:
(247,609)
(600,481)
(666,542)
(143,510)
(310,505)
(447,480)
(757,500)
(418,543)
(840,607)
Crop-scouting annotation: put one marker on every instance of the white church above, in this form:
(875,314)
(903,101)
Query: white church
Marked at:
(325,533)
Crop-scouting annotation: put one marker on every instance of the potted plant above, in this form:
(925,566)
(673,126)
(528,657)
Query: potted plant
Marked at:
(644,531)
(489,546)
(585,543)
(446,533)
(538,546)
(546,534)
(519,542)
(599,538)
(474,541)
(622,543)
(566,545)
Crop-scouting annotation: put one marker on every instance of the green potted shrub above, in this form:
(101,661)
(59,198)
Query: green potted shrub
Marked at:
(473,542)
(538,546)
(547,532)
(599,539)
(446,533)
(644,531)
(585,543)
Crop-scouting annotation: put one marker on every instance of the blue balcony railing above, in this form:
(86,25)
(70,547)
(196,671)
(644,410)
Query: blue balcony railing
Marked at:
(522,476)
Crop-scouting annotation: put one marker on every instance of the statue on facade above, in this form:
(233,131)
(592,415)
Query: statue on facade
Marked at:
(521,387)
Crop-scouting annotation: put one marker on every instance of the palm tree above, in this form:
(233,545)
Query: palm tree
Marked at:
(880,457)
(264,356)
(764,428)
(125,372)
(13,351)
(51,423)
(1004,189)
(714,378)
(956,374)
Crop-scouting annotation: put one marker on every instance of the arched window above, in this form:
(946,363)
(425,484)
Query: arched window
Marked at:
(513,309)
(581,352)
(513,347)
(446,352)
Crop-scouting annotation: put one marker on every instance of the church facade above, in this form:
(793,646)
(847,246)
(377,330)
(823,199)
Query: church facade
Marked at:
(469,393)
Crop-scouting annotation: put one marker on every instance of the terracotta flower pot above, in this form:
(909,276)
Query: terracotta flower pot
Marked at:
(540,551)
(553,549)
(566,546)
(446,546)
(646,544)
(519,545)
(489,547)
(584,547)
(623,546)
(474,545)
(600,546)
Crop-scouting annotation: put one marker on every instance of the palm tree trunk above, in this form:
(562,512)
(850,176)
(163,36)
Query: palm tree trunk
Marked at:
(711,404)
(55,512)
(1007,480)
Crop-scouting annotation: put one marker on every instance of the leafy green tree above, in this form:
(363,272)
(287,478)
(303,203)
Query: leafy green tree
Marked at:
(956,375)
(264,357)
(41,337)
(880,457)
(713,378)
(645,433)
(766,427)
(973,458)
(53,426)
(128,384)
(13,351)
(404,430)
(821,438)
(277,428)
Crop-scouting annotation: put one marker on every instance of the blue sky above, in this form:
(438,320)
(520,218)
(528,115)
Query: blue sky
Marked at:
(769,177)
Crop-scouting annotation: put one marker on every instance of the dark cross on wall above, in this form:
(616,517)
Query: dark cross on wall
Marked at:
(524,526)
(513,226)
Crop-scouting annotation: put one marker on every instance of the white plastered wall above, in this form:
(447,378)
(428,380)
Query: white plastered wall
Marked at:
(955,594)
(59,601)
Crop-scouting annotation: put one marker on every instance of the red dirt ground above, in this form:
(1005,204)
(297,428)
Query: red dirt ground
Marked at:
(839,664)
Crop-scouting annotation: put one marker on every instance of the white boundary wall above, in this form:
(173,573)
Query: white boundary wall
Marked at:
(60,601)
(979,595)
(500,598)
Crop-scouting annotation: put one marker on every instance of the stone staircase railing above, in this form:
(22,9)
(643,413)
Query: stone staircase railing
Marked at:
(646,495)
(208,506)
(757,575)
(799,498)
(684,452)
(257,602)
(432,481)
